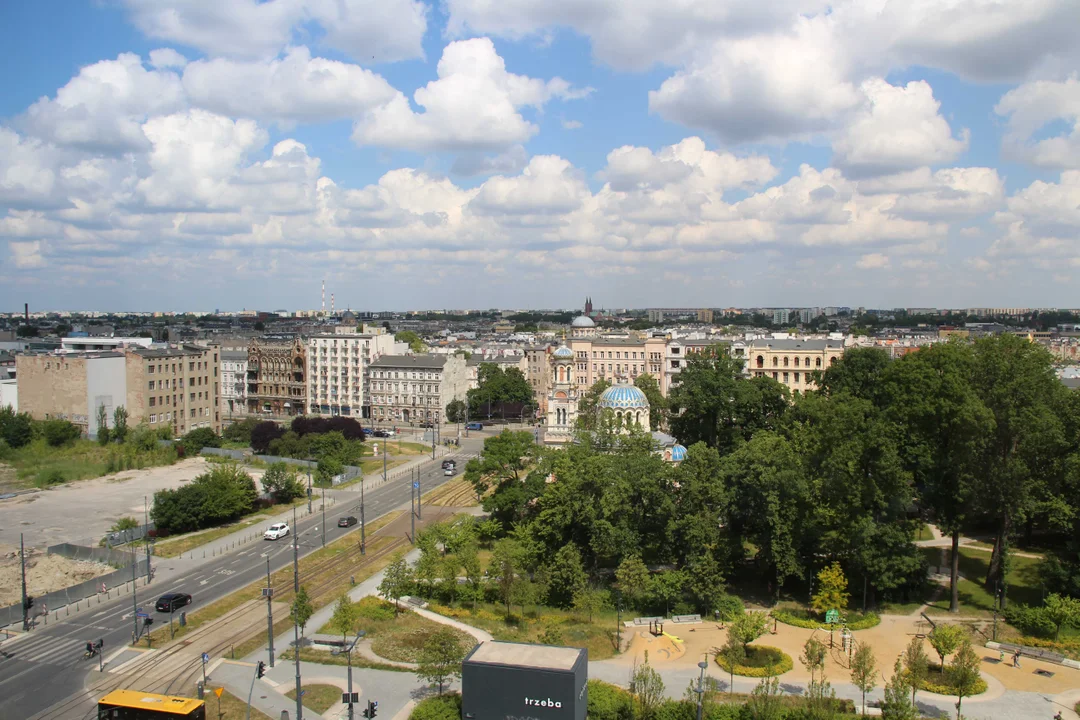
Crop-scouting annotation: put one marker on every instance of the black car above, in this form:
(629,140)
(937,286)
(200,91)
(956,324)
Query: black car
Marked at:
(379,434)
(347,521)
(170,602)
(446,464)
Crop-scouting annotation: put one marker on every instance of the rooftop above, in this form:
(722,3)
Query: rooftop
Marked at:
(526,655)
(410,361)
(796,344)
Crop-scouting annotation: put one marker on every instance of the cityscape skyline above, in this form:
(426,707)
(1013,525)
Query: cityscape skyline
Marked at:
(423,154)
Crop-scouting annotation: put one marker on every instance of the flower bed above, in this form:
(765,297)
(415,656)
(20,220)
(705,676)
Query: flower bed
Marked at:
(801,618)
(935,682)
(760,661)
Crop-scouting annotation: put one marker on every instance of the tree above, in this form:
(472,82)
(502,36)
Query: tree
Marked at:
(864,671)
(748,627)
(120,428)
(124,523)
(667,587)
(440,658)
(263,434)
(26,331)
(732,653)
(240,431)
(199,438)
(259,326)
(329,467)
(455,411)
(832,591)
(16,429)
(1062,611)
(280,481)
(764,702)
(397,580)
(416,345)
(647,384)
(813,656)
(588,601)
(858,373)
(915,666)
(631,578)
(566,576)
(495,386)
(59,432)
(301,609)
(965,673)
(587,416)
(505,568)
(346,613)
(500,470)
(945,638)
(898,705)
(647,687)
(102,425)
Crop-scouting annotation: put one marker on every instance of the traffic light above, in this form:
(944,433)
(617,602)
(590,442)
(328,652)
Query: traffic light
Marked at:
(372,707)
(29,602)
(367,711)
(260,669)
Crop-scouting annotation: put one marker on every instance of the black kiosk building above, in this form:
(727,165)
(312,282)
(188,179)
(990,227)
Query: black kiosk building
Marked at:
(520,681)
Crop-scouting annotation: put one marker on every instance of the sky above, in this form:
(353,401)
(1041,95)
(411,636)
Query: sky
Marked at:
(201,155)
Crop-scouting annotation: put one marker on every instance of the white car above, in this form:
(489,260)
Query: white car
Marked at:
(276,531)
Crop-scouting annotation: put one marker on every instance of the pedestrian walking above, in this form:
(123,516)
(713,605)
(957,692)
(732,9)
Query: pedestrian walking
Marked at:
(1001,656)
(1016,659)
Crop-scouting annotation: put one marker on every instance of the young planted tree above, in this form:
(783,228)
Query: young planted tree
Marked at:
(102,425)
(346,613)
(965,673)
(281,483)
(440,658)
(1061,611)
(916,666)
(397,580)
(832,591)
(505,569)
(647,688)
(302,609)
(898,705)
(813,656)
(945,639)
(120,428)
(732,653)
(631,578)
(748,627)
(764,702)
(588,601)
(864,671)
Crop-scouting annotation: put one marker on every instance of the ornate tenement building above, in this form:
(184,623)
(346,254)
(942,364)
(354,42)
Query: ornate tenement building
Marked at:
(276,377)
(792,361)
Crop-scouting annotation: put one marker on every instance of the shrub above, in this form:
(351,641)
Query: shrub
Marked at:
(1030,620)
(50,476)
(141,437)
(199,438)
(760,661)
(441,707)
(608,702)
(935,682)
(240,431)
(675,710)
(263,434)
(800,618)
(223,494)
(16,429)
(730,607)
(373,608)
(60,432)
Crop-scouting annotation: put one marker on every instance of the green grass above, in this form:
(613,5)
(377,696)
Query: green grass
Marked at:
(230,707)
(397,638)
(319,698)
(40,465)
(540,624)
(375,465)
(1024,585)
(923,532)
(325,657)
(179,544)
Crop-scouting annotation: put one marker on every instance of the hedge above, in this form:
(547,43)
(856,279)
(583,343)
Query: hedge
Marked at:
(440,707)
(782,663)
(861,622)
(944,688)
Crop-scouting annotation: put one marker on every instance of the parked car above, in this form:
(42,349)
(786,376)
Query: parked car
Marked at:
(170,602)
(347,521)
(474,426)
(276,531)
(425,425)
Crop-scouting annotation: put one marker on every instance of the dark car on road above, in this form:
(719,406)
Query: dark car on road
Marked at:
(347,521)
(474,426)
(170,602)
(449,464)
(379,433)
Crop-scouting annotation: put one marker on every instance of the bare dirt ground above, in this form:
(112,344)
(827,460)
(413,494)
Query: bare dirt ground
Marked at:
(44,573)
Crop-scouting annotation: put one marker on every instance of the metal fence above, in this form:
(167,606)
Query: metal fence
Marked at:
(103,585)
(128,536)
(223,452)
(351,472)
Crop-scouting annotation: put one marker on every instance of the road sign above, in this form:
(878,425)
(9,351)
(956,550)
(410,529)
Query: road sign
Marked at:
(416,485)
(142,614)
(268,592)
(217,691)
(832,616)
(205,657)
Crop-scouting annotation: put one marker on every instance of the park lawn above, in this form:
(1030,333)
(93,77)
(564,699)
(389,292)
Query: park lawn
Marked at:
(319,698)
(923,532)
(176,545)
(397,638)
(37,463)
(374,466)
(562,627)
(326,657)
(230,707)
(1024,585)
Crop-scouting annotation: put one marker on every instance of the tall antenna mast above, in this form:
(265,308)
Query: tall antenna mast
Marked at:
(323,297)
(331,304)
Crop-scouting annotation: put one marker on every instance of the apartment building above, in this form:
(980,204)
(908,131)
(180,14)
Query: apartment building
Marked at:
(234,366)
(276,377)
(600,357)
(792,361)
(538,373)
(338,367)
(416,388)
(176,386)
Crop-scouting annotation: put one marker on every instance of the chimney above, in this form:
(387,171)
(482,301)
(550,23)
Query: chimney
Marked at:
(26,312)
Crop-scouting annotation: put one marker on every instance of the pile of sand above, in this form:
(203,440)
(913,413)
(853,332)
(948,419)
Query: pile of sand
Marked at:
(44,573)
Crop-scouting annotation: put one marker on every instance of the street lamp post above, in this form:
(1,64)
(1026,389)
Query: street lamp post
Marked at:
(701,687)
(347,652)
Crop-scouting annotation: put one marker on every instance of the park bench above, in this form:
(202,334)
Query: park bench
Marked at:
(331,640)
(415,601)
(1033,652)
(685,618)
(648,620)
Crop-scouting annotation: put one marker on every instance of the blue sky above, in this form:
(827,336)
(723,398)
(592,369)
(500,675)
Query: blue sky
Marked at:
(191,154)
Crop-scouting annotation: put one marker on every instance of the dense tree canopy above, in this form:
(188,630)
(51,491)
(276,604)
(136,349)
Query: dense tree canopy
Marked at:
(497,386)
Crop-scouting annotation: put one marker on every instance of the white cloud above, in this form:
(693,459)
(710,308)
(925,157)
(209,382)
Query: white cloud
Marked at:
(873,261)
(548,188)
(1032,106)
(631,167)
(386,30)
(103,107)
(571,125)
(167,58)
(27,170)
(474,105)
(27,255)
(946,194)
(510,162)
(899,128)
(293,88)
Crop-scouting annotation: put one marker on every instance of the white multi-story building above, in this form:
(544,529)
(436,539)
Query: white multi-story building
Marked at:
(416,388)
(234,366)
(338,370)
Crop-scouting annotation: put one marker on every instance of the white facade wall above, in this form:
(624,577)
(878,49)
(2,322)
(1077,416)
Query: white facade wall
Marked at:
(106,385)
(9,394)
(338,371)
(233,386)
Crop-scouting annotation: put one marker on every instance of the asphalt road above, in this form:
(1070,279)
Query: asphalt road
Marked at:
(39,671)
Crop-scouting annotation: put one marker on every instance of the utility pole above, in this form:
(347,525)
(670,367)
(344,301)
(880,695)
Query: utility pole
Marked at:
(412,514)
(22,563)
(308,493)
(347,651)
(146,535)
(432,441)
(419,503)
(466,415)
(134,599)
(387,440)
(296,627)
(269,613)
(324,516)
(363,540)
(701,687)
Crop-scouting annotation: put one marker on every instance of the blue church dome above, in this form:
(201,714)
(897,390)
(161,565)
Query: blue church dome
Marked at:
(563,352)
(678,453)
(622,396)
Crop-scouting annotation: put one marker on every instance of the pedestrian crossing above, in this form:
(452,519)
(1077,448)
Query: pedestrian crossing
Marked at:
(47,649)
